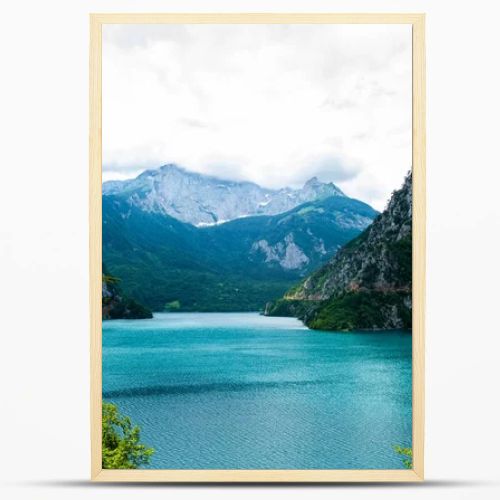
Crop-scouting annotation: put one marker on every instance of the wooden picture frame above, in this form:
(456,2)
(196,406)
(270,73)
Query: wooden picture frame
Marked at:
(419,249)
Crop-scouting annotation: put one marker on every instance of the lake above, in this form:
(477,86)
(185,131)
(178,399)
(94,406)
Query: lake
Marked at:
(244,391)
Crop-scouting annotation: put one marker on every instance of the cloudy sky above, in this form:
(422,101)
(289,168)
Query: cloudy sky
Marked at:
(274,104)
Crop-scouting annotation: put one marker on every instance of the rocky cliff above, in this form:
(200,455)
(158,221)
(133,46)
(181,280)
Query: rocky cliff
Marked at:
(117,306)
(367,284)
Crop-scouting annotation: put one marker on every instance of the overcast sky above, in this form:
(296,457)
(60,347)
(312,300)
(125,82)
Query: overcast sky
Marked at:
(274,104)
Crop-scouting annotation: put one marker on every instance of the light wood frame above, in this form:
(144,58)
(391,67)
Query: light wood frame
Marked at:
(417,473)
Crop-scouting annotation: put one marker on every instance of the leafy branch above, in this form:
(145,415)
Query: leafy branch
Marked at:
(406,455)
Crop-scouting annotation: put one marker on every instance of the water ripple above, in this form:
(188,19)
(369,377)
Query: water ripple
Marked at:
(164,390)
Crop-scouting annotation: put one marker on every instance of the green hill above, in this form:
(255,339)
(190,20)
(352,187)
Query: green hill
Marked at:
(236,266)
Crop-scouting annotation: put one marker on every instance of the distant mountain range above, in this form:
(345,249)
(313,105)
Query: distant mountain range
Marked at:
(205,200)
(165,237)
(368,283)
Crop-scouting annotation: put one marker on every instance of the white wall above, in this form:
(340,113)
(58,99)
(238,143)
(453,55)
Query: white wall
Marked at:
(43,248)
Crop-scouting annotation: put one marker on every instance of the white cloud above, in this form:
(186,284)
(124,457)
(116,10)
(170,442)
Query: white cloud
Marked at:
(275,104)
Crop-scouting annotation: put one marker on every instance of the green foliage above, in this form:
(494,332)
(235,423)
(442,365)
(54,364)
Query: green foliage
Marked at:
(305,210)
(126,308)
(358,240)
(175,305)
(286,307)
(110,280)
(162,260)
(116,305)
(358,311)
(402,255)
(294,288)
(121,447)
(406,456)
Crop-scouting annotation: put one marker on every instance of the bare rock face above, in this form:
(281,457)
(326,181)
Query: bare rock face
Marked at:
(286,253)
(375,260)
(367,284)
(204,200)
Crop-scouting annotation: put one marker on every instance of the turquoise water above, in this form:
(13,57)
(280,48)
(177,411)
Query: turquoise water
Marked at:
(239,390)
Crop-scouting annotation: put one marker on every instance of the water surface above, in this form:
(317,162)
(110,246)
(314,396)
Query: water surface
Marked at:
(244,391)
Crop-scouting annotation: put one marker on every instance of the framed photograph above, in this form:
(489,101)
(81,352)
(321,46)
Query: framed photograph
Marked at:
(257,247)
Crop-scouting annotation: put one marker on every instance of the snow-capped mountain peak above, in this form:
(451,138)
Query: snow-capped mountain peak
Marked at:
(205,200)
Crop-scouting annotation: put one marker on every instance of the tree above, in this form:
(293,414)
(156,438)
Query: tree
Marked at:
(406,455)
(121,448)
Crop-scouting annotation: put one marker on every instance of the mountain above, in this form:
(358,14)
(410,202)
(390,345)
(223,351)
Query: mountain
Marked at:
(205,200)
(117,306)
(234,266)
(367,284)
(296,241)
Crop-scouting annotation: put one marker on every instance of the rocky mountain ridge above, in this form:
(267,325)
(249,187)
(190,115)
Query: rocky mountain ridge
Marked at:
(367,284)
(203,200)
